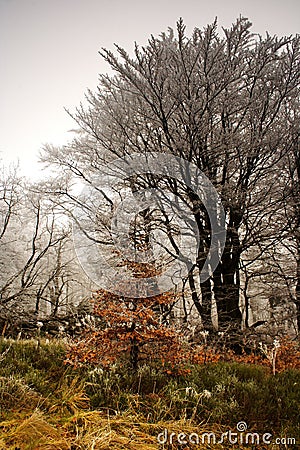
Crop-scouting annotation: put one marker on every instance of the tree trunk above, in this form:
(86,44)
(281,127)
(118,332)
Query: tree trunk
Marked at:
(134,354)
(298,289)
(227,280)
(206,295)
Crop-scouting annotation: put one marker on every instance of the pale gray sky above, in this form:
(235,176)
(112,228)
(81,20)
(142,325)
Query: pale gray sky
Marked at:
(49,55)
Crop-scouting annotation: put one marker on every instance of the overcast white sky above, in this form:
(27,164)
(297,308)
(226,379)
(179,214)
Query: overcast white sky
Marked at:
(49,55)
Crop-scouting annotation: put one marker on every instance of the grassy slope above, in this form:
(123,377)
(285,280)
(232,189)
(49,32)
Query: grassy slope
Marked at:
(46,405)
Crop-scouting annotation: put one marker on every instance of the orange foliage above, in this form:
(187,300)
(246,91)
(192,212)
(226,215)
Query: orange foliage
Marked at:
(204,355)
(287,357)
(130,328)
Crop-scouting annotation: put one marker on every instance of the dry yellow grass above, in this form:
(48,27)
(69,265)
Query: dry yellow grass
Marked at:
(95,430)
(32,433)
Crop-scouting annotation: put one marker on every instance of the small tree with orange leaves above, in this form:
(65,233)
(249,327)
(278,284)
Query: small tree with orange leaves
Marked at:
(130,328)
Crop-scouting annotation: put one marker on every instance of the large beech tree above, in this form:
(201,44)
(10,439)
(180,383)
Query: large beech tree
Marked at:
(217,101)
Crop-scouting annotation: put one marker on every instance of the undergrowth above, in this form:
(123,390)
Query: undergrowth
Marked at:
(45,404)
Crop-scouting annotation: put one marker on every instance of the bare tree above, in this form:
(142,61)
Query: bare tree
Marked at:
(38,262)
(291,174)
(218,102)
